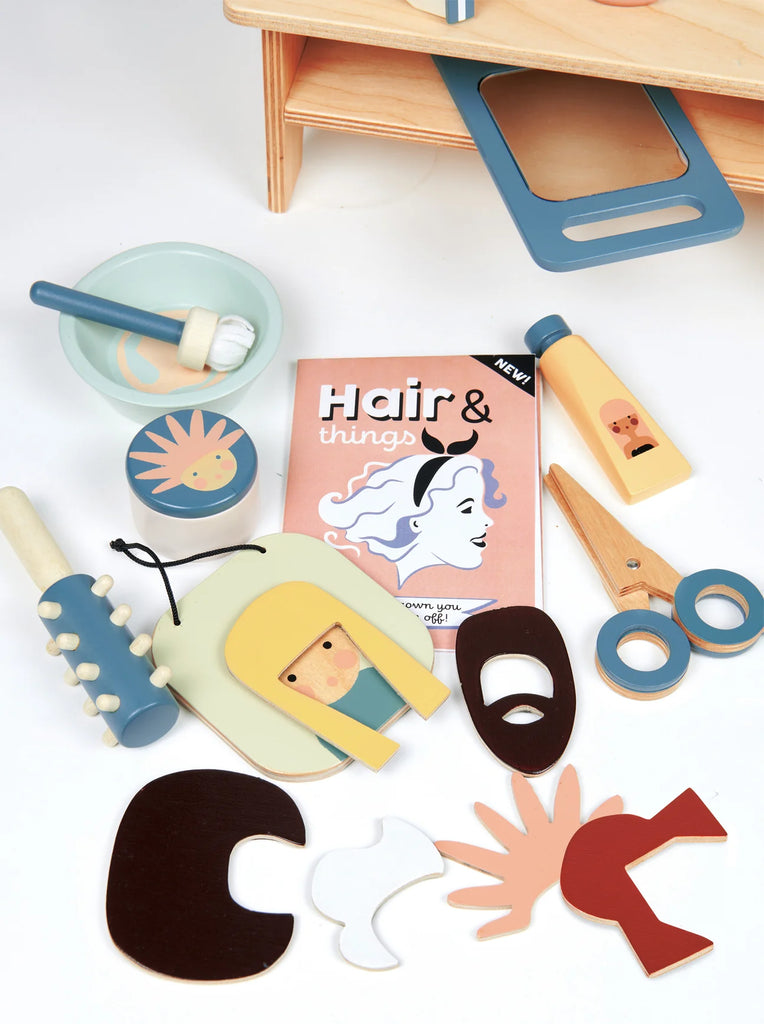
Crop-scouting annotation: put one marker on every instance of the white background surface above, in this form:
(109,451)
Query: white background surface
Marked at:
(133,123)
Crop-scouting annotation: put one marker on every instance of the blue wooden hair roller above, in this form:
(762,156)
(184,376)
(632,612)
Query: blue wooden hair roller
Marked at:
(113,666)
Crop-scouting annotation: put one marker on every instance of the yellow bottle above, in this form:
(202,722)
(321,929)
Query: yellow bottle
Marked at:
(629,445)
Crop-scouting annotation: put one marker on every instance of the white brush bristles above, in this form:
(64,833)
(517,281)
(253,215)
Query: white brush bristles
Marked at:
(220,343)
(234,337)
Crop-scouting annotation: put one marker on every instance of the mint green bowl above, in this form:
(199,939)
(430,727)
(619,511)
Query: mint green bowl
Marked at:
(142,377)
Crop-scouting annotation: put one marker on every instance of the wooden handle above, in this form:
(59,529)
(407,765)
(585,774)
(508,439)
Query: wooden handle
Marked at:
(105,311)
(29,537)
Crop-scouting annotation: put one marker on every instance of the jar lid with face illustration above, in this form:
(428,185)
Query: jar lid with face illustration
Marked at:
(191,464)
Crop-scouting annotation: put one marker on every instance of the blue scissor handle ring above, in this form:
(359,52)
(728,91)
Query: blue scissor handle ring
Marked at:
(635,682)
(720,583)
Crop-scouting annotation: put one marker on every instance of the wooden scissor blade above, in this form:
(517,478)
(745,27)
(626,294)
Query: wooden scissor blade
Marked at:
(629,571)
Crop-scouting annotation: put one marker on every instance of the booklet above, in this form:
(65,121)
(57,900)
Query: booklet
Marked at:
(424,471)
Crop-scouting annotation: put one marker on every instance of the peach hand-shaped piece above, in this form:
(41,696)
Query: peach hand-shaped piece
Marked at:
(533,859)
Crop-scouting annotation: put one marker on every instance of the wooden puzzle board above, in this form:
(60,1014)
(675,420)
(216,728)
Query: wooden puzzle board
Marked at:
(278,745)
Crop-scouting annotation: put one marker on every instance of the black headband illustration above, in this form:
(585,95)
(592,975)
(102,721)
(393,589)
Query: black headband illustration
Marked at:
(428,470)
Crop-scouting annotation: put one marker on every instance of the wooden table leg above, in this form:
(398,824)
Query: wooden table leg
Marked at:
(283,142)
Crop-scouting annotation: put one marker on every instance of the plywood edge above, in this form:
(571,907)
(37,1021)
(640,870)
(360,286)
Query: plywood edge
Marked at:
(556,48)
(732,130)
(400,95)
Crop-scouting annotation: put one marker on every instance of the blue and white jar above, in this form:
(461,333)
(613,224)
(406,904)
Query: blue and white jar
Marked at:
(192,476)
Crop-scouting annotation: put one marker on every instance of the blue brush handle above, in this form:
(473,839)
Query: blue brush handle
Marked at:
(104,311)
(145,712)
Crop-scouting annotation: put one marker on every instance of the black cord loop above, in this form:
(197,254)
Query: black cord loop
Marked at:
(154,562)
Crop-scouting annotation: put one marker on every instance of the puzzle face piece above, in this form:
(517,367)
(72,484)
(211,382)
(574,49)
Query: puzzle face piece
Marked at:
(168,906)
(289,619)
(533,747)
(350,885)
(595,882)
(532,861)
(334,671)
(269,739)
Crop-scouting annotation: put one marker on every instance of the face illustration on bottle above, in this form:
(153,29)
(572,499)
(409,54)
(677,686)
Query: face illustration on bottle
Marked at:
(626,427)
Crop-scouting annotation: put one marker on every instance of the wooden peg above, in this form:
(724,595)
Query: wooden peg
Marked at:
(102,586)
(121,614)
(87,670)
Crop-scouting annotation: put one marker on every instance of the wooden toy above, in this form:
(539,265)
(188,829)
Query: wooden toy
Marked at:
(527,747)
(203,339)
(533,859)
(485,96)
(266,737)
(349,886)
(334,671)
(637,457)
(112,665)
(595,882)
(168,906)
(141,376)
(631,573)
(589,860)
(290,618)
(452,10)
(192,477)
(364,67)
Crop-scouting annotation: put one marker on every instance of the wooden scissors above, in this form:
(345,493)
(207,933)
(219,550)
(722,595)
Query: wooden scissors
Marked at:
(632,573)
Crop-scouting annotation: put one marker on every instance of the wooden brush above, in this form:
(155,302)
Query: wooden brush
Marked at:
(203,339)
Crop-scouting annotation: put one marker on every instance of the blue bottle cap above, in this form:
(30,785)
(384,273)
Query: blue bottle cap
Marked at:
(546,332)
(191,464)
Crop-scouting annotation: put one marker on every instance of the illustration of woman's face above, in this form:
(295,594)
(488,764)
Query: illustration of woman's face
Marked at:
(454,530)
